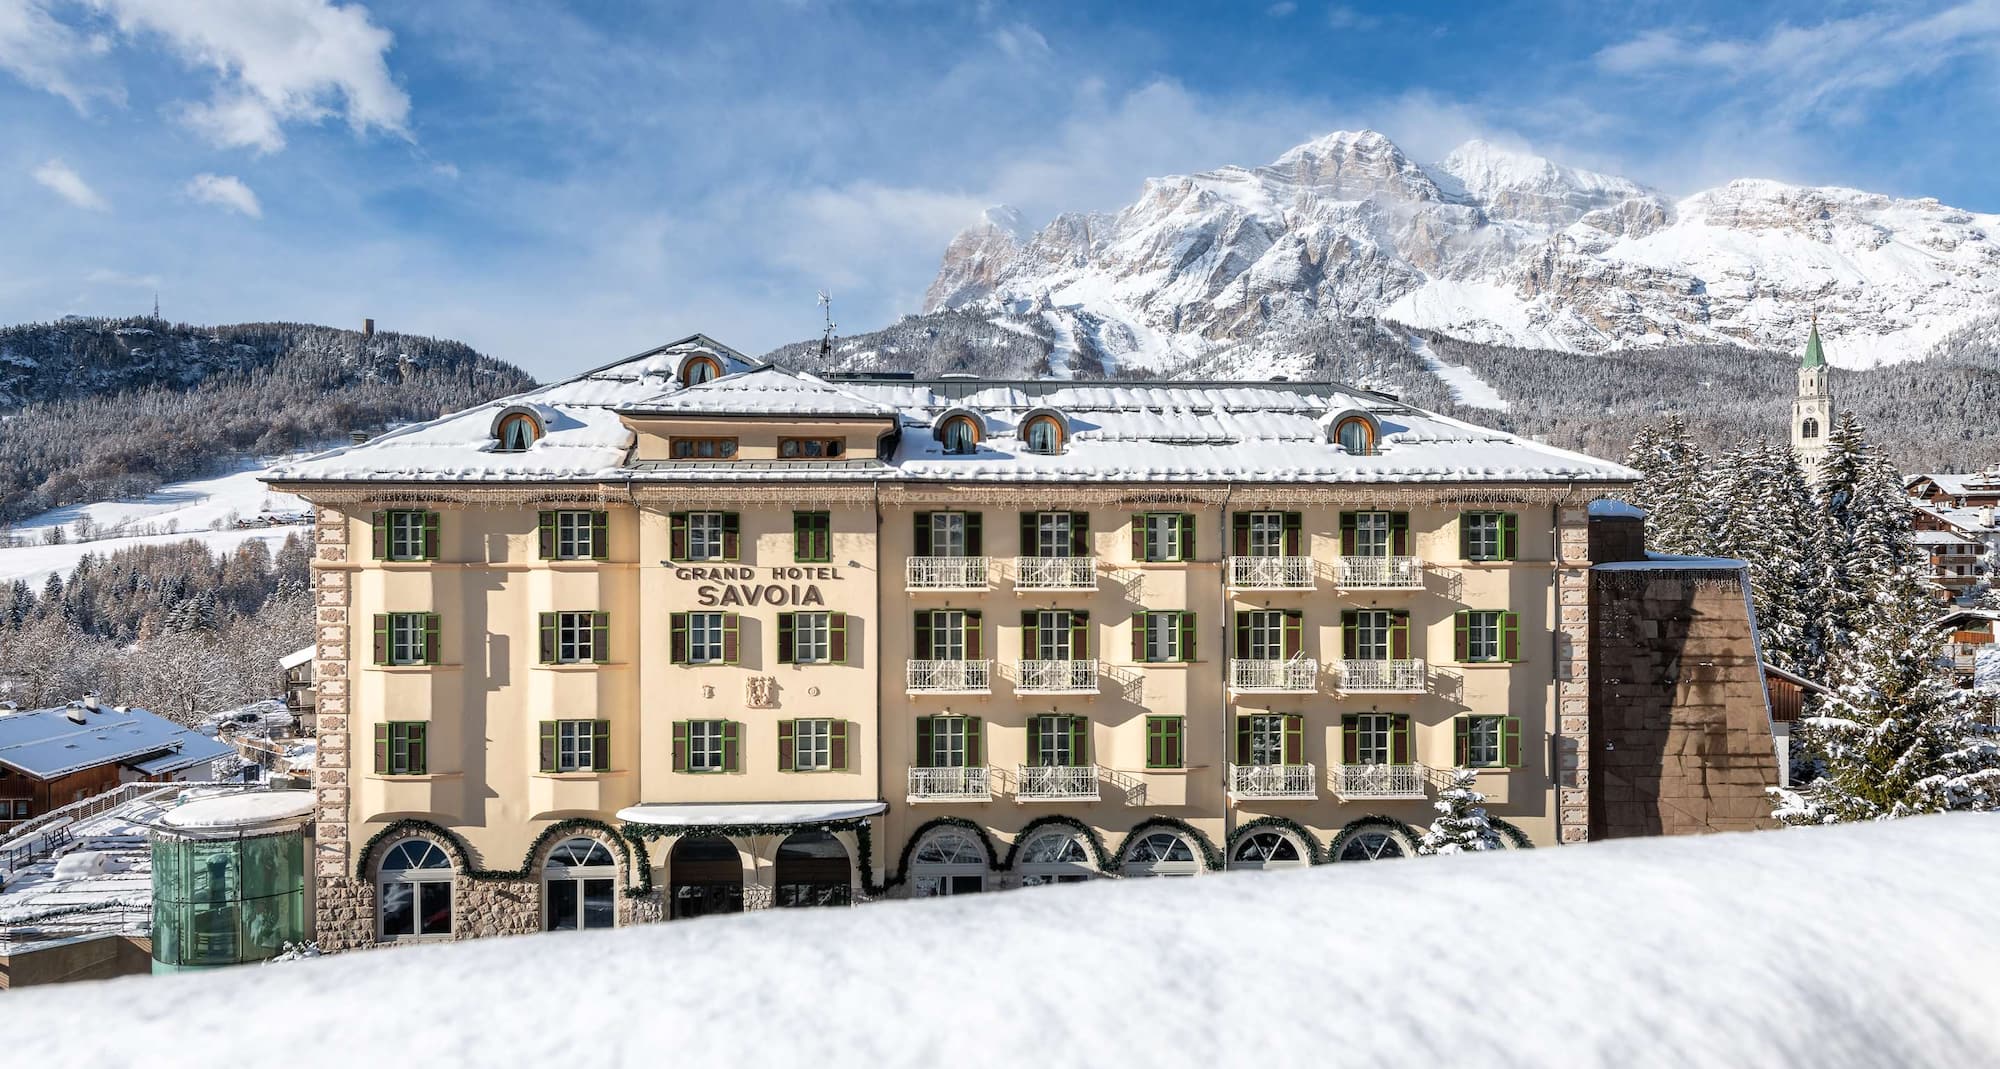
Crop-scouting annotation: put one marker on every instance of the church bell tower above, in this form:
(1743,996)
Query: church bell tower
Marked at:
(1812,411)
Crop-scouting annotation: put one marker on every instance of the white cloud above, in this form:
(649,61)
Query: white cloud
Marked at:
(59,178)
(1342,17)
(1281,9)
(50,56)
(276,62)
(225,191)
(1021,41)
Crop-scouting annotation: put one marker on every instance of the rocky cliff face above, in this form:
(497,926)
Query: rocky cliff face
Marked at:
(1226,268)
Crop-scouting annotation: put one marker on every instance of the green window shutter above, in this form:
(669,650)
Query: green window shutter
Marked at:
(1079,635)
(1295,636)
(431,644)
(1399,635)
(547,650)
(920,535)
(836,746)
(1461,636)
(731,638)
(1139,537)
(1187,536)
(732,536)
(1350,739)
(545,535)
(1295,739)
(1402,740)
(548,745)
(1461,740)
(836,625)
(785,730)
(1242,635)
(785,655)
(1399,534)
(600,536)
(1028,547)
(1187,636)
(381,638)
(1139,629)
(420,756)
(1243,740)
(975,741)
(1239,534)
(1034,733)
(1079,740)
(677,536)
(1176,737)
(1465,521)
(1294,533)
(600,637)
(600,746)
(381,749)
(924,754)
(1350,533)
(677,638)
(1510,528)
(975,635)
(1156,742)
(922,632)
(1031,633)
(1510,636)
(731,748)
(1510,741)
(430,536)
(1079,533)
(378,535)
(680,746)
(975,542)
(802,540)
(1350,635)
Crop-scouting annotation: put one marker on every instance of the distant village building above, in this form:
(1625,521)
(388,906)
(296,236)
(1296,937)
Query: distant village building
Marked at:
(1957,544)
(1980,490)
(50,758)
(301,695)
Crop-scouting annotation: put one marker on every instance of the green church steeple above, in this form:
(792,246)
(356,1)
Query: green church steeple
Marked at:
(1814,358)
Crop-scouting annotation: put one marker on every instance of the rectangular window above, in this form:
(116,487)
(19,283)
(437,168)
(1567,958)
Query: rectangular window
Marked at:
(409,638)
(1163,637)
(1267,534)
(1371,738)
(1482,741)
(1163,742)
(576,635)
(705,632)
(574,534)
(1482,636)
(812,638)
(948,630)
(1481,536)
(1053,535)
(1368,637)
(950,741)
(23,806)
(811,448)
(705,749)
(409,534)
(1266,635)
(812,745)
(1267,738)
(704,449)
(1055,741)
(576,743)
(1052,635)
(1372,534)
(706,536)
(948,535)
(1165,536)
(812,537)
(401,748)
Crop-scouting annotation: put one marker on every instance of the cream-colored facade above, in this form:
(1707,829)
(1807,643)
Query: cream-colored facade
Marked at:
(983,718)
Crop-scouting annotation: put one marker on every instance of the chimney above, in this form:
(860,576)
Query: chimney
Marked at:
(367,328)
(90,702)
(75,713)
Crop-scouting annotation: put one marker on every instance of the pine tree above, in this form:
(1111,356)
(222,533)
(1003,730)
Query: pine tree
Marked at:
(1461,824)
(1897,737)
(1870,555)
(1673,492)
(1789,577)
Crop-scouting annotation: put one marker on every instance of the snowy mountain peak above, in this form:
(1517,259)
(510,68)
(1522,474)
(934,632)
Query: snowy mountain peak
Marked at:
(1009,221)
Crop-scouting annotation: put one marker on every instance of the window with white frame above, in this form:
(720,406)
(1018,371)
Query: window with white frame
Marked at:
(576,745)
(407,642)
(705,535)
(1482,535)
(1267,634)
(576,537)
(1483,748)
(1482,636)
(705,751)
(1052,635)
(1163,536)
(1372,534)
(948,534)
(1053,741)
(1267,534)
(1053,857)
(947,863)
(948,635)
(950,746)
(812,637)
(1267,739)
(812,745)
(1372,736)
(1371,634)
(406,534)
(1160,853)
(576,637)
(1164,632)
(413,891)
(704,637)
(579,887)
(1053,534)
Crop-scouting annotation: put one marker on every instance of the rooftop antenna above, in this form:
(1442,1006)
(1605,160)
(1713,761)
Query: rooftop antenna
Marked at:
(826,338)
(156,306)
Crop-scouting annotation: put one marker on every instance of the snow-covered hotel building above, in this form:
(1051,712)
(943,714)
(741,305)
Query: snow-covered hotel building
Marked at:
(689,634)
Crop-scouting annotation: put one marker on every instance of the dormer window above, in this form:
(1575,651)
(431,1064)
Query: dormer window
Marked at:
(1043,434)
(515,431)
(960,435)
(699,368)
(1354,430)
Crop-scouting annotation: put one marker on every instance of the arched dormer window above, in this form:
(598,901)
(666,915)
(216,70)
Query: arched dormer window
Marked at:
(515,429)
(1044,432)
(1809,429)
(960,431)
(1354,430)
(699,368)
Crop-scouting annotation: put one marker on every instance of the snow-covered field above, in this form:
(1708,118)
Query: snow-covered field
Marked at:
(173,513)
(1466,387)
(1853,946)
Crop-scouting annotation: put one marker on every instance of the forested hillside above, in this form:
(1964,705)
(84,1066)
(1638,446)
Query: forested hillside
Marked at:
(92,409)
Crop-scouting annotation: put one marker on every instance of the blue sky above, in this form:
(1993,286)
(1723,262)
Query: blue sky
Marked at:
(560,184)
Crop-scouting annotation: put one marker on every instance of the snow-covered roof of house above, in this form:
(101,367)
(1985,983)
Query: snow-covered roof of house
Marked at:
(297,657)
(1165,431)
(1974,521)
(46,743)
(1943,538)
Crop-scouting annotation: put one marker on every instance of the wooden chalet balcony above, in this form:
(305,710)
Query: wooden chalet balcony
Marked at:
(951,784)
(1377,781)
(950,677)
(1056,783)
(1295,782)
(1298,675)
(1380,573)
(1055,677)
(946,573)
(1405,676)
(1055,573)
(1270,573)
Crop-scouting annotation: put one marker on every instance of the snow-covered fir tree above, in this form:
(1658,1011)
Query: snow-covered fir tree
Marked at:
(1673,492)
(1461,823)
(1897,738)
(1867,538)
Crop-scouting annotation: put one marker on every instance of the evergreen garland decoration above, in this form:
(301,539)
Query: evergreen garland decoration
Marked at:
(645,866)
(1315,853)
(902,872)
(1029,829)
(1516,838)
(1409,834)
(397,829)
(1210,859)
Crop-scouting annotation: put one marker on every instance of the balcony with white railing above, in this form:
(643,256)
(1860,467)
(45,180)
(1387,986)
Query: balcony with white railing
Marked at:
(1055,573)
(1271,573)
(950,677)
(1056,783)
(945,573)
(1377,781)
(1380,573)
(1297,782)
(1404,676)
(951,784)
(1299,675)
(1055,677)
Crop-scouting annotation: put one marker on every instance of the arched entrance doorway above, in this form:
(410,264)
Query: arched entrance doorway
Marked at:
(706,875)
(813,870)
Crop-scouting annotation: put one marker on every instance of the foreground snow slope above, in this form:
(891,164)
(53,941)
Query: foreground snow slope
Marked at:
(1832,947)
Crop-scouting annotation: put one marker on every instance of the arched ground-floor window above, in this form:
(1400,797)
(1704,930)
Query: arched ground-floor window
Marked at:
(813,869)
(1372,842)
(1269,848)
(705,875)
(947,861)
(1055,855)
(579,886)
(413,891)
(1161,852)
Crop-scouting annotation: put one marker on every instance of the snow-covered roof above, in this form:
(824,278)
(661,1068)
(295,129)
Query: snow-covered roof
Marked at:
(1943,538)
(238,812)
(1668,561)
(46,743)
(1496,957)
(297,657)
(712,814)
(1612,507)
(1117,431)
(1972,520)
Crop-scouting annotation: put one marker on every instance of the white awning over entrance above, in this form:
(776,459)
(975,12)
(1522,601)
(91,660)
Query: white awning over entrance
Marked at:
(712,814)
